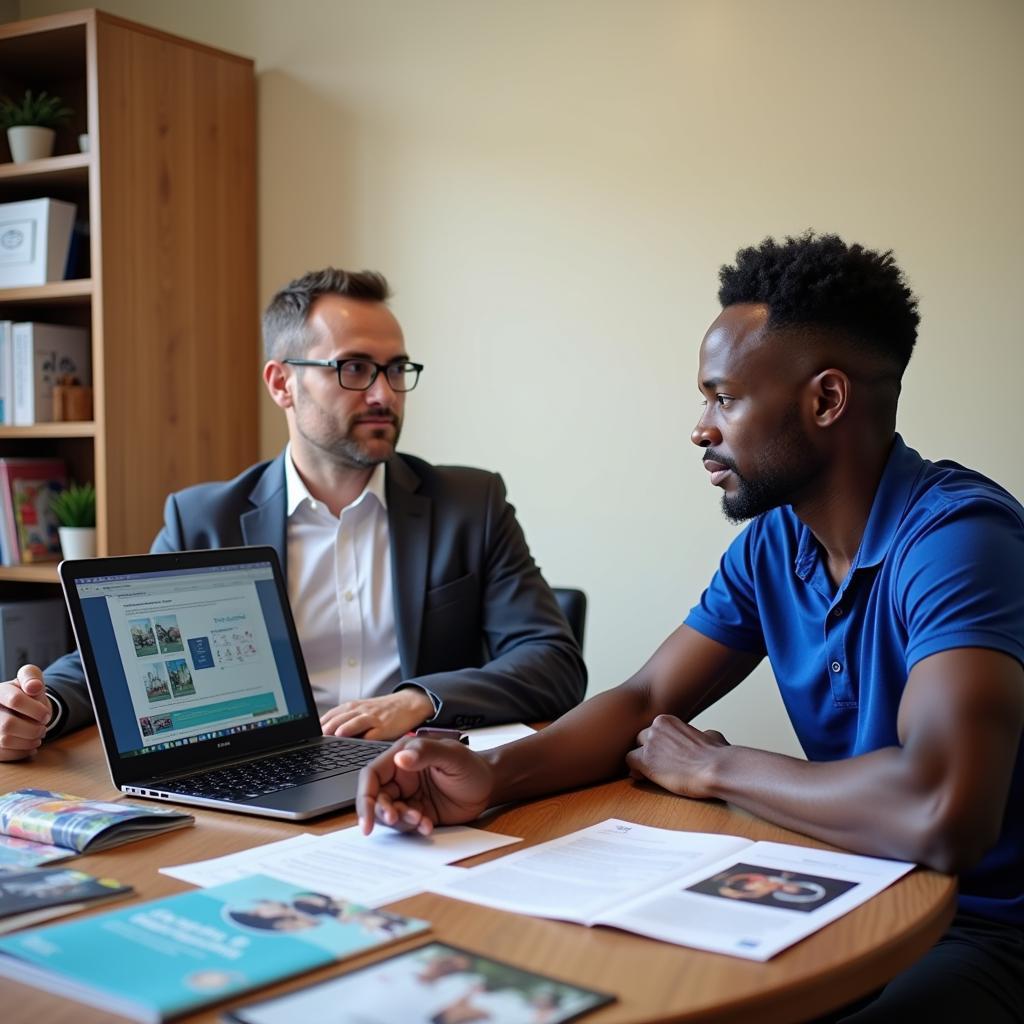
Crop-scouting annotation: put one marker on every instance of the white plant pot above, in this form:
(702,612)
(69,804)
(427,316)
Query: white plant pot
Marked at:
(30,143)
(77,541)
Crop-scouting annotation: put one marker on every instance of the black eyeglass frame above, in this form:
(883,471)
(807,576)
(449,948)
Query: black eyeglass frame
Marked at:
(378,369)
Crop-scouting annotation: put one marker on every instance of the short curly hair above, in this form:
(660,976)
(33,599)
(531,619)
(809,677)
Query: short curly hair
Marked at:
(820,281)
(284,322)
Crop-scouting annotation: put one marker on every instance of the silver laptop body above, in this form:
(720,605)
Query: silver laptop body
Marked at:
(199,687)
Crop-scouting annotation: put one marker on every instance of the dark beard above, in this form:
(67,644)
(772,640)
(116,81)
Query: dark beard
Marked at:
(754,497)
(783,467)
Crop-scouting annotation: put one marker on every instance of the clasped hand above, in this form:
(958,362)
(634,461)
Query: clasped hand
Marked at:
(24,714)
(677,756)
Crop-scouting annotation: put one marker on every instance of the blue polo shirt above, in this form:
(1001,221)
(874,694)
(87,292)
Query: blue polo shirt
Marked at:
(940,566)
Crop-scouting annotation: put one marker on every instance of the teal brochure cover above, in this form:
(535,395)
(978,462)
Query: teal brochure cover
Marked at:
(157,960)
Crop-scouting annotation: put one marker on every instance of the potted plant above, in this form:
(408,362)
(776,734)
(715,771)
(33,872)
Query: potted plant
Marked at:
(75,509)
(30,124)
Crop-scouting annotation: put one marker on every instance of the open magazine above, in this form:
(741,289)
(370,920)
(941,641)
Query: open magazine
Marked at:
(721,893)
(38,826)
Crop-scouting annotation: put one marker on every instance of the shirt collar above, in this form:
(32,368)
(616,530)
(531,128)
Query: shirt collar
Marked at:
(297,494)
(887,509)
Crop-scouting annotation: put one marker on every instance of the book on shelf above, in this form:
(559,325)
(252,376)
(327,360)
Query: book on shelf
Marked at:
(40,894)
(38,826)
(35,237)
(31,633)
(6,373)
(29,526)
(161,959)
(434,982)
(721,893)
(44,356)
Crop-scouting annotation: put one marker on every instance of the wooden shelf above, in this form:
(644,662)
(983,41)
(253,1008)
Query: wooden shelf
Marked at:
(72,169)
(42,572)
(66,428)
(171,211)
(57,293)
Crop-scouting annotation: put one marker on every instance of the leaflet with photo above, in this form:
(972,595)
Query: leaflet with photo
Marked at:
(721,893)
(436,982)
(168,957)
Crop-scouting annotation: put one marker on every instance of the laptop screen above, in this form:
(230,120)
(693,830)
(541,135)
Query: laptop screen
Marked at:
(186,655)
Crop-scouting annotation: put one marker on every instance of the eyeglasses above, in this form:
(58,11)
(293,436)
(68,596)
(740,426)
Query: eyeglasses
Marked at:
(359,374)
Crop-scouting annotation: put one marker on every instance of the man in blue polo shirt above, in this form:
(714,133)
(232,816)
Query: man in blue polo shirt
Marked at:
(886,592)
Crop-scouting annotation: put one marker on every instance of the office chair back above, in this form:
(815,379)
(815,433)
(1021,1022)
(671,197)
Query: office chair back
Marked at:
(574,607)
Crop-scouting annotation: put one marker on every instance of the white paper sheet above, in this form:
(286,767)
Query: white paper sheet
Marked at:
(577,876)
(495,735)
(446,845)
(371,870)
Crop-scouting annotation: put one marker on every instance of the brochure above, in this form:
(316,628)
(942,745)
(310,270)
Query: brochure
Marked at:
(721,893)
(29,897)
(42,826)
(436,982)
(157,960)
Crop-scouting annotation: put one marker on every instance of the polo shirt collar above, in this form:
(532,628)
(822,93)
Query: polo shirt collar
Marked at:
(894,489)
(297,494)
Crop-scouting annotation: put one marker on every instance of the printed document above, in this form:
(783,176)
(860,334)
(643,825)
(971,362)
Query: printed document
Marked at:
(371,870)
(721,893)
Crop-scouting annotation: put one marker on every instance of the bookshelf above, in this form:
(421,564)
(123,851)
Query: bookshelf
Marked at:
(168,283)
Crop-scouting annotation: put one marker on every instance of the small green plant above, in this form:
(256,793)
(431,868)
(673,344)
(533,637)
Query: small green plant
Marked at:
(76,506)
(42,111)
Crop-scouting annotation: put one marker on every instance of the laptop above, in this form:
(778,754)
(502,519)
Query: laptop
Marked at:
(199,687)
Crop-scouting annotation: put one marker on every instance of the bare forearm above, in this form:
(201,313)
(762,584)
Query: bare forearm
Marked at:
(590,743)
(871,804)
(586,745)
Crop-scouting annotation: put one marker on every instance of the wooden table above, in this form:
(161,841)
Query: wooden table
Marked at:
(654,981)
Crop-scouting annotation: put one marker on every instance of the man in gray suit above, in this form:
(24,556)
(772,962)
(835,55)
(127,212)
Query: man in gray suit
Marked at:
(415,596)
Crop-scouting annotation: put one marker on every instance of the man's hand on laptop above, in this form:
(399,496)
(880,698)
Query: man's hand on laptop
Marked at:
(379,718)
(419,783)
(24,714)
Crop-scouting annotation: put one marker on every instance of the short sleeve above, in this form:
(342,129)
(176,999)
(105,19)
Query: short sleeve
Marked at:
(727,611)
(961,583)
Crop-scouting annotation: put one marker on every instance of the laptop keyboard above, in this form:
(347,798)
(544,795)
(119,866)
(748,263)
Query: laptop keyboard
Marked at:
(284,771)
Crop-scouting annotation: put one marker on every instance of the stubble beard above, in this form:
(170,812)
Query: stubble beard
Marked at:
(346,450)
(352,453)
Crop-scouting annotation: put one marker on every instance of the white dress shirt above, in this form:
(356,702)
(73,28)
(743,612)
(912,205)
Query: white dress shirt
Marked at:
(339,585)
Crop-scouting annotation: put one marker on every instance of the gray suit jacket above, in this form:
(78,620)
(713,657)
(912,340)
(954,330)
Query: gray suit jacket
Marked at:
(476,623)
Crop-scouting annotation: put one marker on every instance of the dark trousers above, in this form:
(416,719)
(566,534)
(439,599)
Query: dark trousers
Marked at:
(974,973)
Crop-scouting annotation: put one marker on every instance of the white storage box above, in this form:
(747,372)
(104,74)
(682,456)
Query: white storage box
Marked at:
(35,236)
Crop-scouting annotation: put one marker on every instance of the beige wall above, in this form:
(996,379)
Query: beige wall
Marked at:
(551,186)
